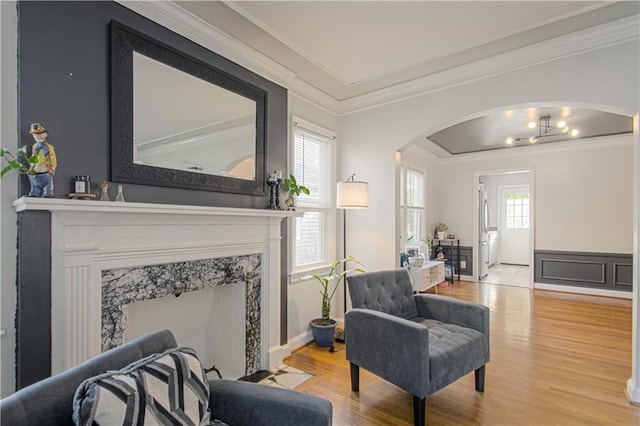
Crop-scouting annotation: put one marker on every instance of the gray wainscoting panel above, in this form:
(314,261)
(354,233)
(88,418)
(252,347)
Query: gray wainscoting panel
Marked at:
(466,255)
(610,271)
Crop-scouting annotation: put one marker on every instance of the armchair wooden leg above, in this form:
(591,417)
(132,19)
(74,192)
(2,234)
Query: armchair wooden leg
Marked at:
(419,411)
(480,379)
(355,377)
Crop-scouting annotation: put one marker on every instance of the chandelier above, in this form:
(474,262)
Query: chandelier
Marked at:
(545,130)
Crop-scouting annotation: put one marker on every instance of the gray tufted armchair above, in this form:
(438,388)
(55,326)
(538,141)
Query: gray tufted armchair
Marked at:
(420,343)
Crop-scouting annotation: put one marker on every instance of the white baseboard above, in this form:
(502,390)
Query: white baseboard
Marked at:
(276,355)
(299,341)
(584,290)
(633,392)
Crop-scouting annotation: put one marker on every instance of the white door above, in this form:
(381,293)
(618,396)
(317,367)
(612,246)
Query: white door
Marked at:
(514,225)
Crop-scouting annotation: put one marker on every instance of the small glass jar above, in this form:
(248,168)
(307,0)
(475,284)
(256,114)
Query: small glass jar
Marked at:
(82,185)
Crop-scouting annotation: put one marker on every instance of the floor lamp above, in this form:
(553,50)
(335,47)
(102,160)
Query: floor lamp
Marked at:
(350,194)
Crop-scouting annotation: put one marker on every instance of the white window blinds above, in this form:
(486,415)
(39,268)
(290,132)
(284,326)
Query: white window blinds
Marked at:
(313,169)
(311,166)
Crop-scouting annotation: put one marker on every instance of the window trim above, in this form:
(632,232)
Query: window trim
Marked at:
(296,273)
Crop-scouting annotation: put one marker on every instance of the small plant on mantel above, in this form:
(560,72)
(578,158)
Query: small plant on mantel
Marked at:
(20,162)
(290,185)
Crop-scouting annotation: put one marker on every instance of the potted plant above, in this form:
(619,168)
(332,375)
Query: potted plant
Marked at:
(323,328)
(16,162)
(441,230)
(290,185)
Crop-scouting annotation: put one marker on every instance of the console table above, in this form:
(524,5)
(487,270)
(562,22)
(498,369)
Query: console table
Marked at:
(427,276)
(454,259)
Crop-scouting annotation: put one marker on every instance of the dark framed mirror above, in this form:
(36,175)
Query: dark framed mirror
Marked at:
(178,121)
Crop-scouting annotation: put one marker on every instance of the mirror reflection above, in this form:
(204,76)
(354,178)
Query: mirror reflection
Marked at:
(182,122)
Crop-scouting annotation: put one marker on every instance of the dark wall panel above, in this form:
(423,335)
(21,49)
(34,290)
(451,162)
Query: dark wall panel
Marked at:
(33,310)
(609,271)
(64,83)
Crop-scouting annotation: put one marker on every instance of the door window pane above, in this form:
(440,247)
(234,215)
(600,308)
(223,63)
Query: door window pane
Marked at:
(517,210)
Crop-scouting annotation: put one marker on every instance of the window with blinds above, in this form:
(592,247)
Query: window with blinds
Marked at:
(312,167)
(412,204)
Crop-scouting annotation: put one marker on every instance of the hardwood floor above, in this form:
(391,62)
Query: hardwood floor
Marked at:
(556,359)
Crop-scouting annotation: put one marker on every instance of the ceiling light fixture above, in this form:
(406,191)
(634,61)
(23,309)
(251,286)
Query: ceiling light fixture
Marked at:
(545,129)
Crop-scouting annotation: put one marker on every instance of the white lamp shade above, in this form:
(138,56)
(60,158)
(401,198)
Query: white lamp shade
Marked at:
(352,195)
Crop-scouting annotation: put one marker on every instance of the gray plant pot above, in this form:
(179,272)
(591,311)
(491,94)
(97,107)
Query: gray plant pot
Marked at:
(323,334)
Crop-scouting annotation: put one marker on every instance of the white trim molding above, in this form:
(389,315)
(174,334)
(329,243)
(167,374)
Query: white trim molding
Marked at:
(633,384)
(170,15)
(583,290)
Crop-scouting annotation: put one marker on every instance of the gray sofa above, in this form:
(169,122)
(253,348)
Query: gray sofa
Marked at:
(419,342)
(49,402)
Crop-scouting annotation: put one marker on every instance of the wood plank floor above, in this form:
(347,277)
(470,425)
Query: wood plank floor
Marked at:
(556,359)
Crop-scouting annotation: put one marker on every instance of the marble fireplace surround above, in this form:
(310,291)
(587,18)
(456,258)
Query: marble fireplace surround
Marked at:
(89,237)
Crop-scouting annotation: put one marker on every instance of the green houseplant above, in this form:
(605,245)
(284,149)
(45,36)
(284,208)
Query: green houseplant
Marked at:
(441,230)
(20,162)
(290,185)
(323,328)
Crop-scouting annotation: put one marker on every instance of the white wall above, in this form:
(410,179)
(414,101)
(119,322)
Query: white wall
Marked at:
(577,192)
(8,193)
(605,79)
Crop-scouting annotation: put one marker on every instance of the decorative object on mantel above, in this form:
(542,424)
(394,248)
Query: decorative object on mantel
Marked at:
(78,196)
(273,181)
(82,184)
(290,185)
(81,188)
(43,169)
(120,196)
(104,196)
(323,328)
(40,165)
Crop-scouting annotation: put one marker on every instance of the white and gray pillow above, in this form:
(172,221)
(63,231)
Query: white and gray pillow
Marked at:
(166,388)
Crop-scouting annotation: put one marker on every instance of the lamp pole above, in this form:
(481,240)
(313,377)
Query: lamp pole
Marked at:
(350,194)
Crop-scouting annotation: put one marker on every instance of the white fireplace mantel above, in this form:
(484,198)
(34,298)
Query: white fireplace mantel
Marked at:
(89,236)
(90,206)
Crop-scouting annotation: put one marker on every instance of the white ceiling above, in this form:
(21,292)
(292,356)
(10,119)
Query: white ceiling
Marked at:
(357,41)
(351,48)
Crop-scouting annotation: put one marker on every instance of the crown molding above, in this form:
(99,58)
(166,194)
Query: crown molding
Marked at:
(172,16)
(601,36)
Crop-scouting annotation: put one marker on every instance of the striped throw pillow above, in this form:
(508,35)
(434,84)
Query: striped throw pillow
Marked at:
(161,389)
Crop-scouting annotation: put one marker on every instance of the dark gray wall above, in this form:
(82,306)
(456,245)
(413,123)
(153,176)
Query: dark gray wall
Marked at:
(608,271)
(64,83)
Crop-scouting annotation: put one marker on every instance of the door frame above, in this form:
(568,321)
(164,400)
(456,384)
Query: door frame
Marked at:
(475,217)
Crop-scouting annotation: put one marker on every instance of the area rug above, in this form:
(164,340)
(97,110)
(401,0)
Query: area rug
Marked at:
(286,377)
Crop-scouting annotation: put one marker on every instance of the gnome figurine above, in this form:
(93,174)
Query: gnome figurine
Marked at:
(41,172)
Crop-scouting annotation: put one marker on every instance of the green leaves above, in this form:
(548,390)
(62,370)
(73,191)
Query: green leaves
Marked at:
(290,185)
(331,282)
(16,162)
